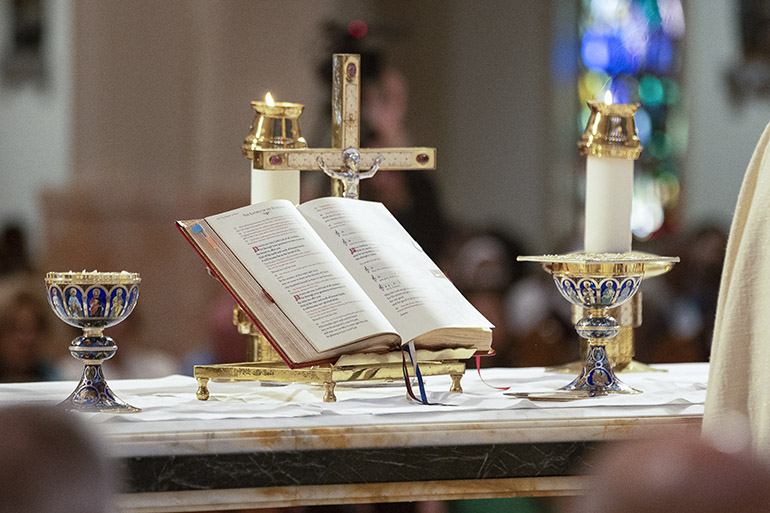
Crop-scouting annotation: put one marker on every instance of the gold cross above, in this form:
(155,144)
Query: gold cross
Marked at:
(346,106)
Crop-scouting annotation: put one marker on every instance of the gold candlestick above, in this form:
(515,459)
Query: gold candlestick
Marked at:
(610,133)
(276,125)
(604,277)
(610,145)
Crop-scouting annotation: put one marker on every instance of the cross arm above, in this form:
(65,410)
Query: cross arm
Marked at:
(307,158)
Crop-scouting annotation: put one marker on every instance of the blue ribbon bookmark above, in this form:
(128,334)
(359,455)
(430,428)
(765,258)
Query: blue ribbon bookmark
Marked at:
(410,350)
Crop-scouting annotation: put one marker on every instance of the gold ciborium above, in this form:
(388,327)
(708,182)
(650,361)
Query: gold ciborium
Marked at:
(93,301)
(598,282)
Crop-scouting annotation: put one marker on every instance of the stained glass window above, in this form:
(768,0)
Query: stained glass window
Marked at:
(633,48)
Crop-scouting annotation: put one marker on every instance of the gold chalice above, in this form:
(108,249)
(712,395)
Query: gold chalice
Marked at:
(597,282)
(93,301)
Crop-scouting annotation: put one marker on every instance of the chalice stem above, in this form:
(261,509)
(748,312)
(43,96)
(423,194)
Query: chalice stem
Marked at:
(92,392)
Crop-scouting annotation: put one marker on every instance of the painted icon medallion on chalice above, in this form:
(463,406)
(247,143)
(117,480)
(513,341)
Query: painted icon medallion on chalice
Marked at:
(93,301)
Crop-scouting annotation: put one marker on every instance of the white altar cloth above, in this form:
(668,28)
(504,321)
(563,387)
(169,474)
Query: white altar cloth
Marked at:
(171,400)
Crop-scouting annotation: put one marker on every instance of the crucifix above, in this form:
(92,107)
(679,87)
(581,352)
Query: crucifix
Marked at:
(345,162)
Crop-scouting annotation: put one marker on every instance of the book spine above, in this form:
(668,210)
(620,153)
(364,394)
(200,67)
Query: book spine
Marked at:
(185,231)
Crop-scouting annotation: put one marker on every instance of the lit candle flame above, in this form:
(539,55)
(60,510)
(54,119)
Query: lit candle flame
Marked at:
(269,100)
(608,97)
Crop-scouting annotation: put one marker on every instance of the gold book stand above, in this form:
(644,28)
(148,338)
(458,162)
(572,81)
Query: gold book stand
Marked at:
(275,144)
(266,365)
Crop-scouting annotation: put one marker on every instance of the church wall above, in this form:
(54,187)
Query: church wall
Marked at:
(35,132)
(500,131)
(481,91)
(723,130)
(493,62)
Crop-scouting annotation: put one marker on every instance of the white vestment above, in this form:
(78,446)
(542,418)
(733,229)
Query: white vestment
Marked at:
(739,377)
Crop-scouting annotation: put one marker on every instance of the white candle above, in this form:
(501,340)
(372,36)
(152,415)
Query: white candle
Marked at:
(609,193)
(267,185)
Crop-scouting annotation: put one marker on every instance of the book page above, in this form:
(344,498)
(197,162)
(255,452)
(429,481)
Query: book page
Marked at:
(412,292)
(300,273)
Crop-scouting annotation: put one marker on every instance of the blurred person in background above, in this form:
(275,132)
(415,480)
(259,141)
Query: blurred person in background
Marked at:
(411,196)
(25,337)
(680,306)
(52,463)
(677,472)
(482,265)
(26,321)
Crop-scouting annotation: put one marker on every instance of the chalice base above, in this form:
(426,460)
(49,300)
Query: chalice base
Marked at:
(624,367)
(93,394)
(597,376)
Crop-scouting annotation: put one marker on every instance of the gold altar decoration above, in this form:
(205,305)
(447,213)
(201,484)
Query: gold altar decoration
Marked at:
(611,132)
(346,106)
(276,125)
(601,285)
(266,365)
(275,144)
(327,375)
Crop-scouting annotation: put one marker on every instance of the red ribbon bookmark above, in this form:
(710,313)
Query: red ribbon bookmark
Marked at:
(478,369)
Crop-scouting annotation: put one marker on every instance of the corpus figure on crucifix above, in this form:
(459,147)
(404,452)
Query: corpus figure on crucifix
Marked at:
(349,174)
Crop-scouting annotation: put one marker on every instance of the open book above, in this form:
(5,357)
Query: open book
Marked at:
(334,277)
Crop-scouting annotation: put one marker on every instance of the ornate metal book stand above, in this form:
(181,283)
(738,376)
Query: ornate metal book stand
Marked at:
(266,365)
(346,163)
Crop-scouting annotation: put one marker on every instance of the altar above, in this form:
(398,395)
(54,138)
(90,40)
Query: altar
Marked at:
(257,445)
